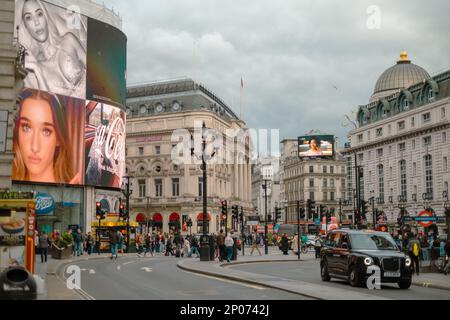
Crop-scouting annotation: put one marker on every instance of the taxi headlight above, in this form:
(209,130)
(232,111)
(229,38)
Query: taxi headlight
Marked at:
(368,261)
(407,262)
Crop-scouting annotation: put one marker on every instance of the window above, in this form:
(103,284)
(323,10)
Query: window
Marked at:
(311,183)
(413,122)
(379,153)
(200,186)
(379,132)
(368,135)
(324,169)
(381,181)
(361,157)
(404,104)
(325,183)
(390,172)
(158,188)
(429,175)
(175,187)
(430,95)
(427,141)
(311,196)
(443,112)
(360,138)
(311,169)
(325,196)
(331,196)
(401,125)
(331,169)
(158,169)
(390,150)
(157,149)
(444,137)
(414,169)
(403,178)
(413,145)
(370,155)
(389,129)
(401,147)
(142,191)
(141,151)
(332,183)
(445,164)
(426,117)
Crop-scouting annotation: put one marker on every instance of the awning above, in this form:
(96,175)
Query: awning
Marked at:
(200,217)
(157,217)
(174,216)
(141,217)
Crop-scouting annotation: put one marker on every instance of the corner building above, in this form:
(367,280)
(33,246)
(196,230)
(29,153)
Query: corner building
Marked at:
(402,145)
(167,194)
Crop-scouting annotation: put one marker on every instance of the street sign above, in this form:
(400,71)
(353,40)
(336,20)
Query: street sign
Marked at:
(407,218)
(317,222)
(424,218)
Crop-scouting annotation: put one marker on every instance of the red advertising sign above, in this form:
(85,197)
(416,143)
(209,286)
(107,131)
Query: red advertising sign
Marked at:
(29,237)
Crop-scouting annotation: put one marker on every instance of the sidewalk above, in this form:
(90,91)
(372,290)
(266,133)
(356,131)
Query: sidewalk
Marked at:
(432,280)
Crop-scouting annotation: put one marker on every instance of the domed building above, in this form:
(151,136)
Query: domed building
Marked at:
(398,153)
(400,76)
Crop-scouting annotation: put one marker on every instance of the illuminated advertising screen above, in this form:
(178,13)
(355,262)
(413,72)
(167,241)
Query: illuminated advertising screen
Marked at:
(69,128)
(48,138)
(316,146)
(104,145)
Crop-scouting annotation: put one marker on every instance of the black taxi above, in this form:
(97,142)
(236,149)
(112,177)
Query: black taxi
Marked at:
(347,254)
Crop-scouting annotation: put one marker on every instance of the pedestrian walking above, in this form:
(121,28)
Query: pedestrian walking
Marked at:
(186,248)
(43,245)
(284,244)
(169,247)
(229,246)
(139,244)
(221,245)
(255,243)
(113,243)
(148,245)
(89,243)
(317,246)
(120,242)
(78,240)
(414,252)
(447,252)
(194,247)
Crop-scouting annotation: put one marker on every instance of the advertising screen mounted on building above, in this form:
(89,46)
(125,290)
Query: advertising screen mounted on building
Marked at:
(316,146)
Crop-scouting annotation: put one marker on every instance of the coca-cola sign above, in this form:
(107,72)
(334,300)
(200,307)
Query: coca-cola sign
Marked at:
(105,145)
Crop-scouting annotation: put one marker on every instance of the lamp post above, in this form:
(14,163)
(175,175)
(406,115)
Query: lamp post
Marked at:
(447,212)
(402,206)
(127,193)
(265,176)
(204,248)
(372,201)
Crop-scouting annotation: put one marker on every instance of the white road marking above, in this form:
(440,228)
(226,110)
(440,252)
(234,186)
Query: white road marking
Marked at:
(118,267)
(147,269)
(92,271)
(129,262)
(228,281)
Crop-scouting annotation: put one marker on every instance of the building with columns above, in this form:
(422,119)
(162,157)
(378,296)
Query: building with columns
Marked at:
(167,191)
(401,143)
(321,180)
(266,167)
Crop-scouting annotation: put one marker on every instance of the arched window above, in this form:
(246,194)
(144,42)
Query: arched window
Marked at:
(404,104)
(429,175)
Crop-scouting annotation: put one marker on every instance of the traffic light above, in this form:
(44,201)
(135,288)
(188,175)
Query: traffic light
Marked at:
(365,209)
(235,211)
(241,215)
(269,218)
(302,213)
(99,213)
(224,209)
(310,209)
(121,211)
(277,214)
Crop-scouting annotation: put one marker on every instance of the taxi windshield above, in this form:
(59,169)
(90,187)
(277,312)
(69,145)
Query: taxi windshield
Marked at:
(373,242)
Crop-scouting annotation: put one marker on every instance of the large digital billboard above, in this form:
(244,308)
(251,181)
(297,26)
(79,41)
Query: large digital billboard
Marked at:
(70,127)
(316,146)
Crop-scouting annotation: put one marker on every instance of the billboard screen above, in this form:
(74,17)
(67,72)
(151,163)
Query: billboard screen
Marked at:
(316,146)
(104,145)
(48,138)
(65,128)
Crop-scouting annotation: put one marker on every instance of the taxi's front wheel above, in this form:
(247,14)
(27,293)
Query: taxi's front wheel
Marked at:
(324,271)
(404,284)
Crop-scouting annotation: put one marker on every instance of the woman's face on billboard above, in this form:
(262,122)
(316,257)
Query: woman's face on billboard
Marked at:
(314,144)
(37,139)
(35,21)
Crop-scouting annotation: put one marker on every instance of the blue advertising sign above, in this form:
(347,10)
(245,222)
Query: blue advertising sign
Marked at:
(45,203)
(317,222)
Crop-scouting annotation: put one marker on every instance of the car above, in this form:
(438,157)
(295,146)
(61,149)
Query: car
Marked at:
(347,254)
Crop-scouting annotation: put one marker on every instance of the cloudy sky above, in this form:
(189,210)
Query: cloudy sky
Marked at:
(304,63)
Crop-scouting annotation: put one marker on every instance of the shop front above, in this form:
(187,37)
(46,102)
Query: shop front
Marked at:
(200,222)
(174,222)
(157,222)
(112,224)
(57,208)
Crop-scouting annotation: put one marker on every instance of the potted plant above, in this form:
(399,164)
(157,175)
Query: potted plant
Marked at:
(62,247)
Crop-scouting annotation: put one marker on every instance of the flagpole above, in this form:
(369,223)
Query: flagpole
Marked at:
(240,99)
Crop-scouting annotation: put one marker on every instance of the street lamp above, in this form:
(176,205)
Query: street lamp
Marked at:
(204,248)
(447,212)
(127,193)
(265,178)
(372,201)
